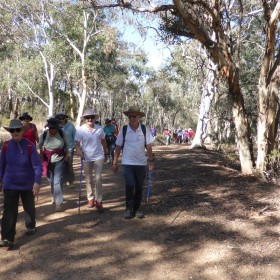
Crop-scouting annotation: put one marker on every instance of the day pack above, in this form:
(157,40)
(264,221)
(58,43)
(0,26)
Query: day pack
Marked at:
(143,127)
(6,144)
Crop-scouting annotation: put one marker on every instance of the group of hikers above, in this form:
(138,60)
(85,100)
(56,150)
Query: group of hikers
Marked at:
(26,157)
(178,136)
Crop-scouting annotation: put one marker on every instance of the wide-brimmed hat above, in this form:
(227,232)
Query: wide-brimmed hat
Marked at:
(134,110)
(61,114)
(89,112)
(52,123)
(107,121)
(25,116)
(13,124)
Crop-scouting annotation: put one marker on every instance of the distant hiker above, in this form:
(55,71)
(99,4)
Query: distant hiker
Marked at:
(113,121)
(132,140)
(30,129)
(54,152)
(167,136)
(20,176)
(110,131)
(70,131)
(91,147)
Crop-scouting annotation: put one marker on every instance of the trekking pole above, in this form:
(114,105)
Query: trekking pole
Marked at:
(149,185)
(80,187)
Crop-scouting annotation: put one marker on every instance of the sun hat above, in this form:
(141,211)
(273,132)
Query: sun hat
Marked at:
(25,116)
(89,112)
(134,110)
(107,121)
(61,114)
(52,123)
(13,124)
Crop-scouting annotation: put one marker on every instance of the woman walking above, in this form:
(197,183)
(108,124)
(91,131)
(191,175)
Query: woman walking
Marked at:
(20,176)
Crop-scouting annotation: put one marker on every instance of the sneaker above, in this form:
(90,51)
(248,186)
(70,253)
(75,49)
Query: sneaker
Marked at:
(30,231)
(139,214)
(91,203)
(58,208)
(6,243)
(128,214)
(99,206)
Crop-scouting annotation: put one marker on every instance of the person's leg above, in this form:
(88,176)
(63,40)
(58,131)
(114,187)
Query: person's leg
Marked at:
(139,174)
(98,168)
(28,203)
(10,213)
(130,182)
(58,181)
(88,170)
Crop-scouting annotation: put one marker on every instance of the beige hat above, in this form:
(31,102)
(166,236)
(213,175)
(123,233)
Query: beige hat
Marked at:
(134,110)
(13,124)
(89,112)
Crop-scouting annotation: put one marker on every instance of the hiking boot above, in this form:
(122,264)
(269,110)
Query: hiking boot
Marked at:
(30,231)
(128,214)
(91,203)
(99,206)
(6,243)
(58,208)
(139,214)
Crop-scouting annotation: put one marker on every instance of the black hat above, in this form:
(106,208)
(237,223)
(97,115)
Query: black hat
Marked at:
(107,121)
(52,123)
(25,116)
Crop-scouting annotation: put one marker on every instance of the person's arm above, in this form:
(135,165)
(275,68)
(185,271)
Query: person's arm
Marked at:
(79,151)
(116,157)
(105,149)
(151,159)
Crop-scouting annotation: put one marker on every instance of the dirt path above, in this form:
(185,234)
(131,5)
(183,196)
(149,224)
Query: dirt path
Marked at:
(204,221)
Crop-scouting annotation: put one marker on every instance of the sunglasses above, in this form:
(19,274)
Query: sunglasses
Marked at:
(89,117)
(133,117)
(26,119)
(61,118)
(12,130)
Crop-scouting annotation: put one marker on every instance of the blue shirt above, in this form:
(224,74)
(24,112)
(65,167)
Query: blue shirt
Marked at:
(70,132)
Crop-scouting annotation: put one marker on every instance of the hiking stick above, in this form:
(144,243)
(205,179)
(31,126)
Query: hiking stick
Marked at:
(80,187)
(149,185)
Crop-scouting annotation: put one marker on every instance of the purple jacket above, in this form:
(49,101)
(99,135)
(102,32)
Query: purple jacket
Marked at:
(19,169)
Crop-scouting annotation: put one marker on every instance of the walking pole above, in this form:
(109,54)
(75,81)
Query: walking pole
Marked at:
(149,185)
(80,187)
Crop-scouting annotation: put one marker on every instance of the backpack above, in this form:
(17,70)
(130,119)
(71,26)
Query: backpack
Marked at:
(6,144)
(143,127)
(59,131)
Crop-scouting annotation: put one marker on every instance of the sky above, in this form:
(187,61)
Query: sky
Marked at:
(156,51)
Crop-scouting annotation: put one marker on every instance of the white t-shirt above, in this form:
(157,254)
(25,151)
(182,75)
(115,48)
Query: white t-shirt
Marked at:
(134,147)
(91,142)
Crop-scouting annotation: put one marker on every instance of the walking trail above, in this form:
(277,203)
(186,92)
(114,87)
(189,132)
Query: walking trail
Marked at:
(204,221)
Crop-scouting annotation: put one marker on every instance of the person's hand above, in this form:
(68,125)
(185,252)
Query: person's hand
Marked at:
(115,167)
(36,189)
(151,166)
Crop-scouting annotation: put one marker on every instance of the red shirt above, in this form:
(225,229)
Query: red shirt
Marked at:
(30,133)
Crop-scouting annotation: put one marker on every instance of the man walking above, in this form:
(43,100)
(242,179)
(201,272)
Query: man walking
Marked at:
(133,139)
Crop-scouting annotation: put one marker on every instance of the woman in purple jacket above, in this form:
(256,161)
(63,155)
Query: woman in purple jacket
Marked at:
(20,176)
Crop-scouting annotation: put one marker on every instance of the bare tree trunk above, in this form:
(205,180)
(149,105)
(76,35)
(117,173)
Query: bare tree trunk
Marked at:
(208,92)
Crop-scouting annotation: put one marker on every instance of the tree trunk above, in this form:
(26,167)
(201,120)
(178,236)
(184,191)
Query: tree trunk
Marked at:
(241,123)
(208,92)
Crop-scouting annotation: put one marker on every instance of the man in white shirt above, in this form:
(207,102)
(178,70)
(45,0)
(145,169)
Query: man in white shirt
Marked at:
(91,147)
(134,160)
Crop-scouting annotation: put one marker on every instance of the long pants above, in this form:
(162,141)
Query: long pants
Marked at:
(88,167)
(56,179)
(10,213)
(134,181)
